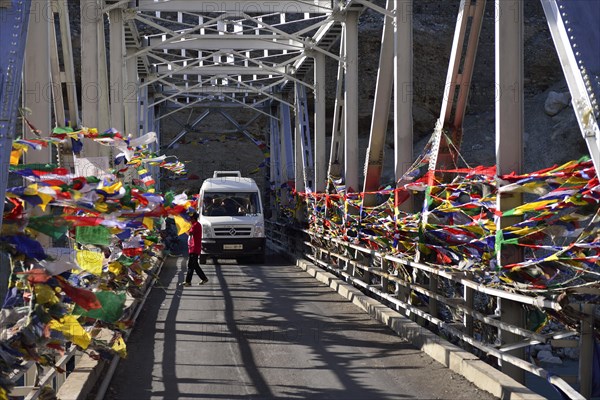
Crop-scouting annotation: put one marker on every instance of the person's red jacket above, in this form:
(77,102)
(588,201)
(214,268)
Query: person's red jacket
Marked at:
(195,238)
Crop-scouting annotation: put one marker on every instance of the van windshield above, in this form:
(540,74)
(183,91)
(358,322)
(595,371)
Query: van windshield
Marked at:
(230,204)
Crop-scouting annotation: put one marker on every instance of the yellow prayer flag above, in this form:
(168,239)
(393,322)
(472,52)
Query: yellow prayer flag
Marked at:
(72,329)
(115,267)
(148,222)
(15,156)
(526,230)
(183,226)
(532,206)
(90,261)
(46,198)
(577,201)
(553,257)
(119,347)
(44,294)
(101,207)
(111,189)
(33,190)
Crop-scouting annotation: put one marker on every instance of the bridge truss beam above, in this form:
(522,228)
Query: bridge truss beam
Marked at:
(581,66)
(236,6)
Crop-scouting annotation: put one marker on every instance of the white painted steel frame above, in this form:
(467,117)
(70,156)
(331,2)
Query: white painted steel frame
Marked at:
(510,110)
(299,171)
(381,109)
(12,56)
(236,6)
(351,176)
(320,153)
(275,151)
(68,66)
(95,112)
(287,145)
(403,91)
(37,82)
(336,154)
(218,42)
(303,126)
(224,44)
(57,90)
(588,124)
(582,104)
(117,69)
(63,75)
(458,83)
(37,90)
(131,95)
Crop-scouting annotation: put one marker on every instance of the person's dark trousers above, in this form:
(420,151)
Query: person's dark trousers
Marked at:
(192,266)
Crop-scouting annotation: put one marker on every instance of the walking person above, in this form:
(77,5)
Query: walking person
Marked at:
(194,248)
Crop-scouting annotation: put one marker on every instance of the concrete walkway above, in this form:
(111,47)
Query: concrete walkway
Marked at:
(270,331)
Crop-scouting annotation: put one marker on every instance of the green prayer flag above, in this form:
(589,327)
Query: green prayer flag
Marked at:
(111,310)
(169,197)
(61,130)
(98,235)
(37,167)
(126,261)
(499,241)
(126,199)
(152,238)
(49,225)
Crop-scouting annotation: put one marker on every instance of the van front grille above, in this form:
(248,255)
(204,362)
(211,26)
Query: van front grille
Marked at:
(233,231)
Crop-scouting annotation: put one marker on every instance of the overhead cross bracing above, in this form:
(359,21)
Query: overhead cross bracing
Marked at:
(207,53)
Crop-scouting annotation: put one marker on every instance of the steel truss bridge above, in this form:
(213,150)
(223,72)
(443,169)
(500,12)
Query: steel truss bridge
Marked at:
(161,57)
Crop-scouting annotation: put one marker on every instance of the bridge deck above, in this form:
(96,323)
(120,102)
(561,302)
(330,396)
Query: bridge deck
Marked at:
(270,331)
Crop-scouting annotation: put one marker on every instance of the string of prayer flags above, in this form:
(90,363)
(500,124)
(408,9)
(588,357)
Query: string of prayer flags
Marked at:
(112,227)
(457,229)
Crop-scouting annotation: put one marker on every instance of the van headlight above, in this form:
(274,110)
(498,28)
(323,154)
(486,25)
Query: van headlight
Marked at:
(207,232)
(259,229)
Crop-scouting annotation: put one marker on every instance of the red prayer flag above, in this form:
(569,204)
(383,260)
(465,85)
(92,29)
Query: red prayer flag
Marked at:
(82,297)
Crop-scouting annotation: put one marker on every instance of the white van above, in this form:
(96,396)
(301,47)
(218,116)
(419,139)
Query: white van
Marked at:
(232,218)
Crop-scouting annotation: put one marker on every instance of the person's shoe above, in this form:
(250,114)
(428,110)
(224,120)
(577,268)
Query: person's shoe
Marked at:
(202,282)
(186,284)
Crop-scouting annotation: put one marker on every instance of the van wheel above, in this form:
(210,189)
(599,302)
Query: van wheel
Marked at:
(202,259)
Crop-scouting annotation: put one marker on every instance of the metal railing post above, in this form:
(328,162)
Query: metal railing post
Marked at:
(586,350)
(469,299)
(433,287)
(384,281)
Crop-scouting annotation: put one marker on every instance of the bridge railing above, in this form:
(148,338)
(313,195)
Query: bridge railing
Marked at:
(446,302)
(33,381)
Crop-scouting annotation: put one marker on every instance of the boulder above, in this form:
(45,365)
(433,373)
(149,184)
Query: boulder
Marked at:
(556,102)
(547,357)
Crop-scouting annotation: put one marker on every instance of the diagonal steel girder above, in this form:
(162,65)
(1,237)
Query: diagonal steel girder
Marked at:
(185,130)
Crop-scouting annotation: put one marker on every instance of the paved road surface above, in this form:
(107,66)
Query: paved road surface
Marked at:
(271,331)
